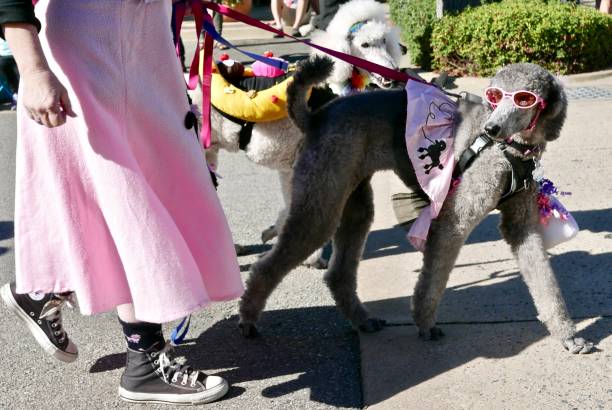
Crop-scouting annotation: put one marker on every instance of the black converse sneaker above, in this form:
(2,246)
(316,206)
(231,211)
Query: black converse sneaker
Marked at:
(43,317)
(153,377)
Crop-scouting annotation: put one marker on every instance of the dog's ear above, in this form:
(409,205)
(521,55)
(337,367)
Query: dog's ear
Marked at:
(395,49)
(553,116)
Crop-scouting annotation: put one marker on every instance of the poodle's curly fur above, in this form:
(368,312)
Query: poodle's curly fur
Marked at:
(274,144)
(352,137)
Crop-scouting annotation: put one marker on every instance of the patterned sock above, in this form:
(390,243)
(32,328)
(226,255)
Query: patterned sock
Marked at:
(141,336)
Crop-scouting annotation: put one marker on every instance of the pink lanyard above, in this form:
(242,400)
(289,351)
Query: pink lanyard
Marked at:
(199,15)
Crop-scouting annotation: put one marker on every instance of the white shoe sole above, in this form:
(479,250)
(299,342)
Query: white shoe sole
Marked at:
(39,335)
(210,395)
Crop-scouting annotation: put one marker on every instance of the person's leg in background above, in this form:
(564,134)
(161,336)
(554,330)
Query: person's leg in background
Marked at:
(9,73)
(8,69)
(605,6)
(302,6)
(327,11)
(277,12)
(218,22)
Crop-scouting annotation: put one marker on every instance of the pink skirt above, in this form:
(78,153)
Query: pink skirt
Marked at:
(117,205)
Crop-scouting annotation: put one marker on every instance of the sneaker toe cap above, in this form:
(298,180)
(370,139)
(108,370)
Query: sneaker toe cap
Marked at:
(214,382)
(71,348)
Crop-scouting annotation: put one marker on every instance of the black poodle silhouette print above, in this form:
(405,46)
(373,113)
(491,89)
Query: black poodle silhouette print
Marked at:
(437,147)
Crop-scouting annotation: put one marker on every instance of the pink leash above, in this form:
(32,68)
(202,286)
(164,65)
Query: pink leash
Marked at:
(199,15)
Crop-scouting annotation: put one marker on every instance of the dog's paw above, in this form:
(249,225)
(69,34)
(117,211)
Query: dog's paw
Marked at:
(269,234)
(316,263)
(435,333)
(248,330)
(372,325)
(240,250)
(577,345)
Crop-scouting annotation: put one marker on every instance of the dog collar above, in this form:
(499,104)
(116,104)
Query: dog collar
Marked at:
(356,27)
(536,116)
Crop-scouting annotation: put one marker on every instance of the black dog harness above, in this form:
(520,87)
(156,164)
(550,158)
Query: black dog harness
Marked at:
(522,169)
(246,128)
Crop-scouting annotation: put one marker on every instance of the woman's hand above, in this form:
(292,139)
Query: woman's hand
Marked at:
(45,98)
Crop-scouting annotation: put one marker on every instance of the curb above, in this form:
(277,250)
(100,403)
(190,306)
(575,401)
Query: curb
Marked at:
(584,77)
(569,79)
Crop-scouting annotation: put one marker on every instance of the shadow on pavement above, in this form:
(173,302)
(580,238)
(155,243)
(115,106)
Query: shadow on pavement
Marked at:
(584,280)
(505,316)
(392,241)
(6,230)
(407,361)
(256,249)
(314,346)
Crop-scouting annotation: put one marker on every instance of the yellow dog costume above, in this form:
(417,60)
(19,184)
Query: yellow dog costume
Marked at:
(249,106)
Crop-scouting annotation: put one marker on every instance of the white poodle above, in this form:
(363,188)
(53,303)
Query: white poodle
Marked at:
(359,28)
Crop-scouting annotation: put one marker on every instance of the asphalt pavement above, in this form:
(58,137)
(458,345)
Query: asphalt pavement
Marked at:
(495,355)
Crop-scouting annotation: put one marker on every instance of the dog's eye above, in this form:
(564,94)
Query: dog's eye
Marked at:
(365,45)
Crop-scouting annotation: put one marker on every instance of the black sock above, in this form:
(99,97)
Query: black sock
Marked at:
(141,336)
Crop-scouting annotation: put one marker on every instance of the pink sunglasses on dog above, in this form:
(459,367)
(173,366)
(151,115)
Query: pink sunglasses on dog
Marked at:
(521,98)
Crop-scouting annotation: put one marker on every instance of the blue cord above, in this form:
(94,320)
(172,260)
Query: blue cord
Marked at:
(210,29)
(180,331)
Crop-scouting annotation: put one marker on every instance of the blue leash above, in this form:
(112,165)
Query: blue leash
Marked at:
(210,29)
(180,331)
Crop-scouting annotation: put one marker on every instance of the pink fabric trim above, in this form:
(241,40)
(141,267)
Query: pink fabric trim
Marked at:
(429,141)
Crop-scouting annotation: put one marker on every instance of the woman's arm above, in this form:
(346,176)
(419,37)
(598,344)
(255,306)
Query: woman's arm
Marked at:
(43,96)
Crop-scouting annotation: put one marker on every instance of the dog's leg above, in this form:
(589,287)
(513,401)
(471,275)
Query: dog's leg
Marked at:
(519,226)
(438,262)
(460,214)
(272,232)
(348,244)
(310,224)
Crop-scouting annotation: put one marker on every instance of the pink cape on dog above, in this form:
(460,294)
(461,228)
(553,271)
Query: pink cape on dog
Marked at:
(429,140)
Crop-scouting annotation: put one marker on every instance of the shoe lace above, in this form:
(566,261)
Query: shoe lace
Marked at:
(171,369)
(52,312)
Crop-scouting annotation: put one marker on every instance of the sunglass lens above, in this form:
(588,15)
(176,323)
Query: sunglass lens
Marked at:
(494,95)
(525,99)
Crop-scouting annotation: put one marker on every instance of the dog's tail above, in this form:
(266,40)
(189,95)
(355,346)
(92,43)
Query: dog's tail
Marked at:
(310,72)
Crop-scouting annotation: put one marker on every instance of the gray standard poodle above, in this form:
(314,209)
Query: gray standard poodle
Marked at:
(351,138)
(359,28)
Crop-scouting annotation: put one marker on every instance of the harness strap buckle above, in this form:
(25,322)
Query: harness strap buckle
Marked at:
(480,143)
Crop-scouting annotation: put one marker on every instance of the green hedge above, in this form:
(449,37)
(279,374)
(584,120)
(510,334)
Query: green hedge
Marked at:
(415,18)
(559,36)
